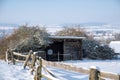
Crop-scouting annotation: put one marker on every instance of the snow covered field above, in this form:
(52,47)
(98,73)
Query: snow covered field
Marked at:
(16,72)
(104,65)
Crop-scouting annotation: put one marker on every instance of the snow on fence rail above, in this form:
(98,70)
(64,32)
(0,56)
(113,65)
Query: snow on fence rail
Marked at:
(31,60)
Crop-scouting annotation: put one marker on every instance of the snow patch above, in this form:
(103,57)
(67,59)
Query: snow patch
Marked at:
(94,67)
(115,45)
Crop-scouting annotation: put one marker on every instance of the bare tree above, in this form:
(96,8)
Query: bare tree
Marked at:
(71,31)
(117,36)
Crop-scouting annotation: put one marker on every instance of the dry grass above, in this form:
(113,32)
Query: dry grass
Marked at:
(2,57)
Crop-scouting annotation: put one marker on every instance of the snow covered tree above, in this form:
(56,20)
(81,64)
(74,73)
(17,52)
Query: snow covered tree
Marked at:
(36,38)
(26,38)
(94,50)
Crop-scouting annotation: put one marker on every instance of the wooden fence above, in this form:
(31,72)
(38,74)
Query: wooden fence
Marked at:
(37,64)
(34,63)
(94,73)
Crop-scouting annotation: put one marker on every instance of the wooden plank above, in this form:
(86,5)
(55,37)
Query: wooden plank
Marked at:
(27,59)
(65,66)
(47,77)
(19,54)
(110,75)
(49,72)
(81,70)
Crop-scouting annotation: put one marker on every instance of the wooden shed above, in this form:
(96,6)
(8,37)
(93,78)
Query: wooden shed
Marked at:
(64,48)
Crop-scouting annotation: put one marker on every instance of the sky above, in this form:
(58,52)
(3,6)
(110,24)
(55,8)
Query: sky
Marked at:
(59,11)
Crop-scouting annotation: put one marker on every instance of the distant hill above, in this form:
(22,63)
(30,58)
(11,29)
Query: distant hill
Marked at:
(85,24)
(8,25)
(7,29)
(92,27)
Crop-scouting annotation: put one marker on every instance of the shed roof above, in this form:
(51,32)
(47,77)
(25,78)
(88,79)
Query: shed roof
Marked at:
(66,37)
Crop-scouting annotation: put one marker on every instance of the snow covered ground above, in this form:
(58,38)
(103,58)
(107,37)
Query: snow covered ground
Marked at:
(16,72)
(13,72)
(68,75)
(112,66)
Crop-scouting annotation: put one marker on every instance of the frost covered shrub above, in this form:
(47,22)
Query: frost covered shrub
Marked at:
(25,38)
(36,40)
(28,44)
(94,50)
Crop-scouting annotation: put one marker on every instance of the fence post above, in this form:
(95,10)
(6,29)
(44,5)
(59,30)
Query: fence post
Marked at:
(118,76)
(7,55)
(27,59)
(33,60)
(38,73)
(12,57)
(94,73)
(40,68)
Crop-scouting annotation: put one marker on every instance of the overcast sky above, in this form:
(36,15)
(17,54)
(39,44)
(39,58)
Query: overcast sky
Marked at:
(59,11)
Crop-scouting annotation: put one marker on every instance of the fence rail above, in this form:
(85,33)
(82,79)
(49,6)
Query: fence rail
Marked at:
(37,64)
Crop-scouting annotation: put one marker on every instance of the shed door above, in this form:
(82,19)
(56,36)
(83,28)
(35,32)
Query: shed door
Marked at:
(55,52)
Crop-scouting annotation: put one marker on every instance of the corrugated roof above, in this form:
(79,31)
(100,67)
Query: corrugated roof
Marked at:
(66,37)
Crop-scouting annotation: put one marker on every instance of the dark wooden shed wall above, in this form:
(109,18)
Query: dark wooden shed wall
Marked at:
(67,48)
(73,48)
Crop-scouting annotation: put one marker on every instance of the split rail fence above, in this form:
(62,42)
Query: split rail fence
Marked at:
(37,66)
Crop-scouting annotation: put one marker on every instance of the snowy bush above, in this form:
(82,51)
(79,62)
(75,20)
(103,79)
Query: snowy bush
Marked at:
(25,38)
(37,40)
(94,50)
